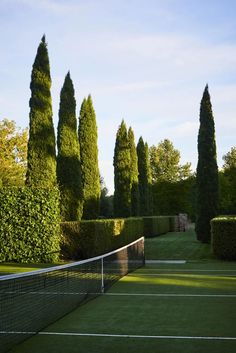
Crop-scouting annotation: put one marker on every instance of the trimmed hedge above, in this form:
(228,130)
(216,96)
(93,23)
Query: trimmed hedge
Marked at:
(154,226)
(86,239)
(223,231)
(29,224)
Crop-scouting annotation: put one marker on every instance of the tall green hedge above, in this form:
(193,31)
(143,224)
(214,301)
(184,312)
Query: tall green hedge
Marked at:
(91,238)
(154,226)
(223,230)
(29,224)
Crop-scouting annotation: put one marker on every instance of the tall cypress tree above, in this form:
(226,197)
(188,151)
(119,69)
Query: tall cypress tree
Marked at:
(68,158)
(89,159)
(41,168)
(134,174)
(207,171)
(122,177)
(144,178)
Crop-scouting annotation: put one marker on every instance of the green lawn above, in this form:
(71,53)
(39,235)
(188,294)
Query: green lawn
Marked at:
(159,308)
(177,246)
(152,301)
(8,268)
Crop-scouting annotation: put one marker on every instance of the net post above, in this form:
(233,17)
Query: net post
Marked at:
(102,273)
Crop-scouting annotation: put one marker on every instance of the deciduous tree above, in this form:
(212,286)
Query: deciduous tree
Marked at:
(13,154)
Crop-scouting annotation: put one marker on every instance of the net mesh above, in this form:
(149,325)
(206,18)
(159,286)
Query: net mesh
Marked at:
(30,302)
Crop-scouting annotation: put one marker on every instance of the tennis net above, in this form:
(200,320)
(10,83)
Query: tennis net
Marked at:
(31,301)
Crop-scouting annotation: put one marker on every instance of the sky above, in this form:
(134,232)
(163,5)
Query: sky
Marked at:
(144,61)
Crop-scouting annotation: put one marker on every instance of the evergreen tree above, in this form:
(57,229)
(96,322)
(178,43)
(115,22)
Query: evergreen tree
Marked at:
(89,159)
(207,171)
(134,174)
(68,158)
(41,168)
(144,177)
(122,177)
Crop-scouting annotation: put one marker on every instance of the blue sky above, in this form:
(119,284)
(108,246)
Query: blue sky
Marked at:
(144,61)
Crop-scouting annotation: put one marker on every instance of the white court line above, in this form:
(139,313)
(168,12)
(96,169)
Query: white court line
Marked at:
(131,294)
(172,295)
(165,262)
(169,274)
(45,333)
(180,271)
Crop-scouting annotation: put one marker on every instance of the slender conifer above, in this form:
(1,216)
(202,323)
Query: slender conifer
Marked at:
(207,171)
(68,158)
(89,159)
(41,168)
(144,177)
(122,176)
(134,174)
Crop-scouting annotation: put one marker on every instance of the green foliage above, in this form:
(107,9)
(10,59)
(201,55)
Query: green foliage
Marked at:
(144,178)
(227,187)
(230,159)
(207,171)
(121,163)
(68,158)
(41,169)
(224,237)
(91,238)
(13,152)
(106,202)
(174,197)
(154,226)
(133,174)
(89,159)
(29,224)
(227,180)
(165,163)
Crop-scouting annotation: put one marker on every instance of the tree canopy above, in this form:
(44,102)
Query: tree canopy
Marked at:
(13,154)
(165,163)
(230,159)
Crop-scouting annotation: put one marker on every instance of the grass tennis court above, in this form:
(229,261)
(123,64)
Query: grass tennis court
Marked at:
(164,308)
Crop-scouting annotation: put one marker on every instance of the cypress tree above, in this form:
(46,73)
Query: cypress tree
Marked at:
(207,171)
(134,174)
(89,159)
(144,178)
(68,158)
(41,168)
(122,177)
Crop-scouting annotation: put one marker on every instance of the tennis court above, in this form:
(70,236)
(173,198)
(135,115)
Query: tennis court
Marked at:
(161,307)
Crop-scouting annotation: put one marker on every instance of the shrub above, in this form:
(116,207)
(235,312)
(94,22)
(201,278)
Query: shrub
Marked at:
(223,231)
(29,224)
(91,238)
(154,226)
(86,239)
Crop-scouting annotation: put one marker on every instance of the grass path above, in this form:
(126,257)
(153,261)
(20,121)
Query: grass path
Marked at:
(177,246)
